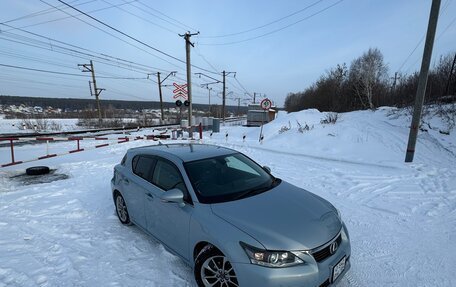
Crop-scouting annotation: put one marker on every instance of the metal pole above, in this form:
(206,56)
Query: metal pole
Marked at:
(12,150)
(209,98)
(223,100)
(189,77)
(422,81)
(96,90)
(161,97)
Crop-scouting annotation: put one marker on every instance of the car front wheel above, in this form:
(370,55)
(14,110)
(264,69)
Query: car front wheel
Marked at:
(121,209)
(212,268)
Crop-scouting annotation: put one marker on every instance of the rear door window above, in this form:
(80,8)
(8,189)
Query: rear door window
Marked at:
(143,166)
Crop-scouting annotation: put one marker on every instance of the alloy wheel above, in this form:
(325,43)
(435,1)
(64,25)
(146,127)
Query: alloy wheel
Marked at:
(121,209)
(217,271)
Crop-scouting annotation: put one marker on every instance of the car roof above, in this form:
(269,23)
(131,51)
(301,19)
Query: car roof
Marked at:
(184,151)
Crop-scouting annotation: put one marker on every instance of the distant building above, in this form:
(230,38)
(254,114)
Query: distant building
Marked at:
(256,116)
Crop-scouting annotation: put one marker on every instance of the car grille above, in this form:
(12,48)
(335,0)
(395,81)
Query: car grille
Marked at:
(325,253)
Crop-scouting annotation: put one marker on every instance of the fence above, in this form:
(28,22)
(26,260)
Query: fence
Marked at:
(107,141)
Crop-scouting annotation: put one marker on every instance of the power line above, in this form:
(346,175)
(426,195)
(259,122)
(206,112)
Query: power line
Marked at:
(205,60)
(89,53)
(53,84)
(140,17)
(67,74)
(445,6)
(41,70)
(112,35)
(131,37)
(437,39)
(39,60)
(184,26)
(43,12)
(267,24)
(71,16)
(245,90)
(276,30)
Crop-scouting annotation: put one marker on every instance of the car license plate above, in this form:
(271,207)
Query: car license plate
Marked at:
(338,269)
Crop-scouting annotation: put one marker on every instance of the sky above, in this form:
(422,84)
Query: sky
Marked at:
(275,47)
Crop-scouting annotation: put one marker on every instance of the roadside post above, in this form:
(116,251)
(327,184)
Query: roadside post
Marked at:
(265,104)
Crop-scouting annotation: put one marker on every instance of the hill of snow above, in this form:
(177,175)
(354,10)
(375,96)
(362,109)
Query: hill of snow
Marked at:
(401,217)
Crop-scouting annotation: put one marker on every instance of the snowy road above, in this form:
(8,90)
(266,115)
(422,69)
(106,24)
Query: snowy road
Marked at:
(401,218)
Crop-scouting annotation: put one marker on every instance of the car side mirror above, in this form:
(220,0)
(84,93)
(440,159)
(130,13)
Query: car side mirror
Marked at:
(267,169)
(174,195)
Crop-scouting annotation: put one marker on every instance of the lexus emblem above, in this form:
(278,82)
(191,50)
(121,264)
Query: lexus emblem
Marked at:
(333,247)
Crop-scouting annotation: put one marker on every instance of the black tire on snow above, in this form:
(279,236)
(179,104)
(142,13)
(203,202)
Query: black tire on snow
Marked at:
(37,170)
(207,252)
(126,220)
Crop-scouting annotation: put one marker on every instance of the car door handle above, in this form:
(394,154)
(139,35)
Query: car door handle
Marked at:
(150,195)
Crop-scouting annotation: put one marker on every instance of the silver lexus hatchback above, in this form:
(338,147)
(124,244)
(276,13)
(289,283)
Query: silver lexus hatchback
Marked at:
(229,218)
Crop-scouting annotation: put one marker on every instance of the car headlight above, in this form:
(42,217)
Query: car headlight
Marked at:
(269,258)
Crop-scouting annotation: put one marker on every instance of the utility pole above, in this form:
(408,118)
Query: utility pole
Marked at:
(161,96)
(239,105)
(223,96)
(207,85)
(395,80)
(393,88)
(254,97)
(422,81)
(159,82)
(209,89)
(97,91)
(189,72)
(449,77)
(224,74)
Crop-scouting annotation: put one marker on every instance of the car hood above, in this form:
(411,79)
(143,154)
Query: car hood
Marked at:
(284,218)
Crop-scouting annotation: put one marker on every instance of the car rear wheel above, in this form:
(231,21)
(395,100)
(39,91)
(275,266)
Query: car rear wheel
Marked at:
(212,268)
(121,209)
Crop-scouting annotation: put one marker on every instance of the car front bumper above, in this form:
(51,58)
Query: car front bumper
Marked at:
(309,274)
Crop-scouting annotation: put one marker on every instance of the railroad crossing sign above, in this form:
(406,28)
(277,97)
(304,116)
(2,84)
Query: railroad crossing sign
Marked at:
(266,104)
(180,91)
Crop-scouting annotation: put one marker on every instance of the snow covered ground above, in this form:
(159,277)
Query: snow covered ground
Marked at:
(401,217)
(8,126)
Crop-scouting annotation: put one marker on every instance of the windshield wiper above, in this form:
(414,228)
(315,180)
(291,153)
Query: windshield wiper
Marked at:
(258,190)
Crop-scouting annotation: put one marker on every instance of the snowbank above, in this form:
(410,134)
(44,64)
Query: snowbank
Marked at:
(401,217)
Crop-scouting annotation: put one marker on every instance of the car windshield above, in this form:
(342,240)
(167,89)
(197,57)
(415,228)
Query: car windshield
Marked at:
(228,177)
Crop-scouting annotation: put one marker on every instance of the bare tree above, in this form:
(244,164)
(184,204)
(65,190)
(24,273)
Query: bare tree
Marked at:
(366,73)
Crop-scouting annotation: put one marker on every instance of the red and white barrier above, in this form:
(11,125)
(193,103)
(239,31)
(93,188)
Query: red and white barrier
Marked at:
(111,141)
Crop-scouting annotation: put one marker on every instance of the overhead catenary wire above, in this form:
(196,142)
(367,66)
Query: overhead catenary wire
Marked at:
(67,17)
(76,49)
(173,21)
(131,37)
(44,12)
(67,74)
(453,21)
(275,30)
(112,35)
(140,17)
(267,24)
(420,41)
